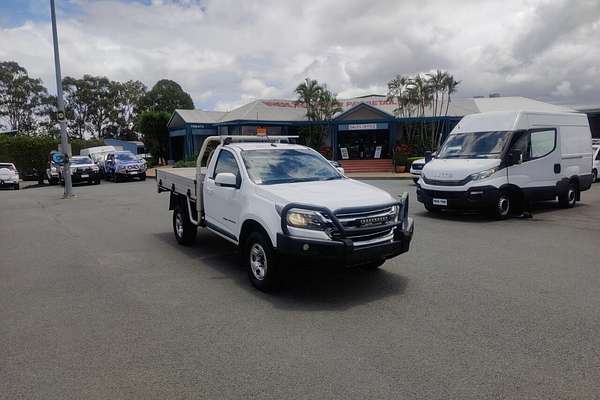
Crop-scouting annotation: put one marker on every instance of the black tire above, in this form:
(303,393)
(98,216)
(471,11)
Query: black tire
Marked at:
(415,180)
(116,178)
(568,198)
(504,206)
(97,181)
(184,230)
(143,177)
(16,187)
(595,176)
(373,266)
(261,262)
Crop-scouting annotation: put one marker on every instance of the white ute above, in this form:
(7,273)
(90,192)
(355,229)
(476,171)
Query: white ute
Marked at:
(500,161)
(276,199)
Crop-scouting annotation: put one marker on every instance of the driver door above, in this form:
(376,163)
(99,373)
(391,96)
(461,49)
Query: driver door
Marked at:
(223,204)
(540,168)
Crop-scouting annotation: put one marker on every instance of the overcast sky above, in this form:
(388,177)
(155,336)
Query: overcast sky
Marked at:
(226,52)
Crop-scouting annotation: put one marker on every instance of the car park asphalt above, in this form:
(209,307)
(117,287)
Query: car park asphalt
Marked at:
(98,301)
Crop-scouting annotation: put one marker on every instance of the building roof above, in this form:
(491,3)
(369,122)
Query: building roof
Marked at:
(285,110)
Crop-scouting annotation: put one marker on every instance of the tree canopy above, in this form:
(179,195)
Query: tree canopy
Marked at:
(166,96)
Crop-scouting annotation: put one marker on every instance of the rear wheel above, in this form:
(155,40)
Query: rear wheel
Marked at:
(184,230)
(595,176)
(504,205)
(261,262)
(568,198)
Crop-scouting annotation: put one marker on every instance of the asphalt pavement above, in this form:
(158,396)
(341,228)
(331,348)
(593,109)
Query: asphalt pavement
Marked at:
(98,301)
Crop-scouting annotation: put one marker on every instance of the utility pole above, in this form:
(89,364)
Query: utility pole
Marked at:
(64,139)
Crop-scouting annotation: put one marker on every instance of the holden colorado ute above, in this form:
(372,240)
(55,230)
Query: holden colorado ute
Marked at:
(499,161)
(276,200)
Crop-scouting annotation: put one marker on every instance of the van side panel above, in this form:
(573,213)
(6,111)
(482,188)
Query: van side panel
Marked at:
(576,146)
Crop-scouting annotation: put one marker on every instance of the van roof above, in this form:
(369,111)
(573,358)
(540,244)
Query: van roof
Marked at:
(514,120)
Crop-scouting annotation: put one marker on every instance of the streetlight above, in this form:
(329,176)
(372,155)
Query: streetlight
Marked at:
(64,139)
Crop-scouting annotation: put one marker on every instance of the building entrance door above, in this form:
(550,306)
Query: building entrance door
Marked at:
(364,145)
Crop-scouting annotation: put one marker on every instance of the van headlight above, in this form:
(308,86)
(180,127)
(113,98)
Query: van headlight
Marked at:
(483,174)
(307,219)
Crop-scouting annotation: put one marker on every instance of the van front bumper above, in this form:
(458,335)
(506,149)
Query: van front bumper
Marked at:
(475,198)
(344,251)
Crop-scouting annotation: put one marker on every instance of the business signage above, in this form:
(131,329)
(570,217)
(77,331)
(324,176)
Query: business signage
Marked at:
(362,127)
(196,126)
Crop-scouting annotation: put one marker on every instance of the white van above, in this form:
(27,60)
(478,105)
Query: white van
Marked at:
(497,161)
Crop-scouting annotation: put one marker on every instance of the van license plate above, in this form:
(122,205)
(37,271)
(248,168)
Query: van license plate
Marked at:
(440,202)
(85,176)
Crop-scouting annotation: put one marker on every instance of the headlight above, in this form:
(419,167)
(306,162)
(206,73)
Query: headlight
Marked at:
(484,174)
(95,168)
(307,219)
(395,211)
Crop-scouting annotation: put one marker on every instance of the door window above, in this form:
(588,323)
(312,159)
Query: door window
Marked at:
(542,143)
(226,163)
(522,143)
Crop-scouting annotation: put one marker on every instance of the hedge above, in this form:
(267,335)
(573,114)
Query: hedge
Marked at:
(30,153)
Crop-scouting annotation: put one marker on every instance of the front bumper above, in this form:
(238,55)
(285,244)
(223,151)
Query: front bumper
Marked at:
(131,173)
(343,250)
(475,198)
(85,176)
(6,183)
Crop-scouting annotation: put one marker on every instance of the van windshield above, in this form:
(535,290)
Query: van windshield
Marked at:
(475,145)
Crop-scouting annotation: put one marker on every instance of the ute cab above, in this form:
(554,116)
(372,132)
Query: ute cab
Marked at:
(499,161)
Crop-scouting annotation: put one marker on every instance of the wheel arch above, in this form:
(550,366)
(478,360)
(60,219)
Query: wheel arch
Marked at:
(252,225)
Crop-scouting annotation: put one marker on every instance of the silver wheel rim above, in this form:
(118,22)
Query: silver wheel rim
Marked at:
(571,195)
(258,261)
(503,205)
(179,225)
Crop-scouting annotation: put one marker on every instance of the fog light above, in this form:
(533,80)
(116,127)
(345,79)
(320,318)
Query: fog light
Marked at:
(305,247)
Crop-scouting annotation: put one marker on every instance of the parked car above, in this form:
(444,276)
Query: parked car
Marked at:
(124,165)
(9,176)
(499,160)
(83,169)
(416,167)
(98,155)
(278,201)
(52,173)
(596,165)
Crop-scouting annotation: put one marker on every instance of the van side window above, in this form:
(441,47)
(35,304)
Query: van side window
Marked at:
(543,142)
(226,163)
(598,155)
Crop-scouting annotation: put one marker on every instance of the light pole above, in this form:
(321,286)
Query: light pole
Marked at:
(64,139)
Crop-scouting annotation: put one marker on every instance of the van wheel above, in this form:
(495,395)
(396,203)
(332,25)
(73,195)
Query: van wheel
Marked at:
(184,230)
(504,205)
(568,198)
(415,180)
(261,262)
(595,176)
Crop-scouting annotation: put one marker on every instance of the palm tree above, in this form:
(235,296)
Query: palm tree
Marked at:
(308,94)
(451,86)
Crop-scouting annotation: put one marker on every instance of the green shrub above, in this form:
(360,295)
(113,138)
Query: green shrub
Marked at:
(185,164)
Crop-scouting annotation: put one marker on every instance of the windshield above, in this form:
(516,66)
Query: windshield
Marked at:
(268,167)
(80,160)
(125,157)
(474,145)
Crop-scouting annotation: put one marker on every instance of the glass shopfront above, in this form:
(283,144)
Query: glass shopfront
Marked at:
(363,144)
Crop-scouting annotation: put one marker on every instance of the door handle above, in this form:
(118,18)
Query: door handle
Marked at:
(557,168)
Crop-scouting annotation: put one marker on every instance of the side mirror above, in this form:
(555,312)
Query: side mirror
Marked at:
(226,179)
(340,170)
(428,156)
(515,157)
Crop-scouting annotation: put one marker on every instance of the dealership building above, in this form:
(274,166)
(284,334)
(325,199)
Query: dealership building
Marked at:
(366,128)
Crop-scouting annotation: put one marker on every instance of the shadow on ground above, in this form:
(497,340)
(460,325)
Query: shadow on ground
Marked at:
(304,286)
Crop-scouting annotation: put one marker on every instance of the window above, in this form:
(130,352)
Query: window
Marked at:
(598,154)
(474,145)
(226,163)
(542,143)
(521,143)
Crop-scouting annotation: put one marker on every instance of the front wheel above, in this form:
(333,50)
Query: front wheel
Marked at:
(595,176)
(261,262)
(143,177)
(415,180)
(16,187)
(504,206)
(184,230)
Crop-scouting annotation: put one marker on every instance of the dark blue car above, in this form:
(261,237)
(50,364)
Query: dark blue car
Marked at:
(122,165)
